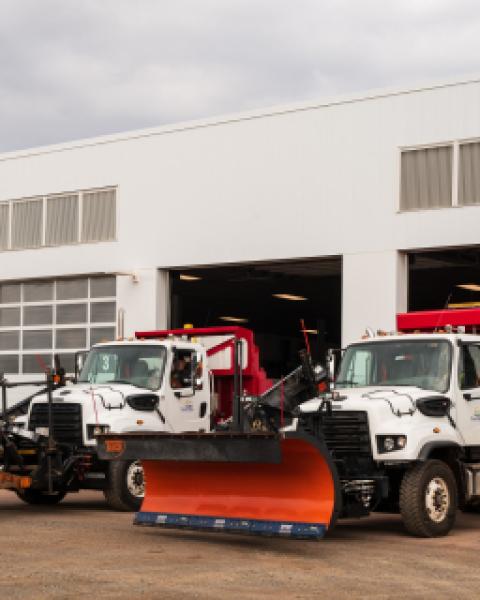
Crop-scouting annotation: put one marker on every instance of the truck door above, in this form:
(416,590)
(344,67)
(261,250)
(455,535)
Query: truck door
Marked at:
(468,403)
(187,391)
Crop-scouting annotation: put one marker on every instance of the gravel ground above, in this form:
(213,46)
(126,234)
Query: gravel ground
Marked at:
(80,549)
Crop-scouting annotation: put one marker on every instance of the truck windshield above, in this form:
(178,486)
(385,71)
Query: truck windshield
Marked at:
(423,364)
(141,366)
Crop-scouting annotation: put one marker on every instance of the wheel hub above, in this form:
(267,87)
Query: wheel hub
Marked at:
(437,499)
(135,480)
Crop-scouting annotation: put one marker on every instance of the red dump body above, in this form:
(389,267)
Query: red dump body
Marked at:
(431,320)
(220,342)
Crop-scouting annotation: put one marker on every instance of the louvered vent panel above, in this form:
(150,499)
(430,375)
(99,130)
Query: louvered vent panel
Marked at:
(4,226)
(27,223)
(62,220)
(469,174)
(426,179)
(99,216)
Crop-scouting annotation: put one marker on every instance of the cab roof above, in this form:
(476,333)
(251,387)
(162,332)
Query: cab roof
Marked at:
(167,343)
(398,337)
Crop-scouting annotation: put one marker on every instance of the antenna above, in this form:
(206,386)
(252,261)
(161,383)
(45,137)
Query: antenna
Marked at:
(305,336)
(445,308)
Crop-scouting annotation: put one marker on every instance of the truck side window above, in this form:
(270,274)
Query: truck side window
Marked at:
(469,367)
(181,373)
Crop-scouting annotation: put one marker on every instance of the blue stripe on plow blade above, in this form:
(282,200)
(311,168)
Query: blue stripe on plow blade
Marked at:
(289,529)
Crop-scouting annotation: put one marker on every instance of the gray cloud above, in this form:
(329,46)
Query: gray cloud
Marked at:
(71,69)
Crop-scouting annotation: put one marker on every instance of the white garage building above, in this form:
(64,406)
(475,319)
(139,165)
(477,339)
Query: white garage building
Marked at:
(353,193)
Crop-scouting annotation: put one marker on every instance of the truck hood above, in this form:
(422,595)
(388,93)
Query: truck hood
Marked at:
(107,396)
(397,401)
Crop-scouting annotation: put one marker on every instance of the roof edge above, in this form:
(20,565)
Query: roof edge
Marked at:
(273,111)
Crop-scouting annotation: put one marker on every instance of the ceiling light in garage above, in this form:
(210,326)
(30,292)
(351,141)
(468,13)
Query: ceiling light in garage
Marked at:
(473,287)
(185,277)
(464,304)
(312,331)
(234,319)
(292,297)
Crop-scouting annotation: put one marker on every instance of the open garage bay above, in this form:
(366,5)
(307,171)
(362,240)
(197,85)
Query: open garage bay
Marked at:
(269,298)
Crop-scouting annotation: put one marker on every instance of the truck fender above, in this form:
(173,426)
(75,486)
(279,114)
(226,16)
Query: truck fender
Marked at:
(427,449)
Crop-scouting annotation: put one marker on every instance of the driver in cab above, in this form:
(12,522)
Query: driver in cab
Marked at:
(180,376)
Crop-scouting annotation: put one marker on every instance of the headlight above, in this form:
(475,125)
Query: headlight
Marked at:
(390,443)
(94,430)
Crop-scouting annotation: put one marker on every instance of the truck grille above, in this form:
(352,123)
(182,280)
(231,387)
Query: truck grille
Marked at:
(67,421)
(346,432)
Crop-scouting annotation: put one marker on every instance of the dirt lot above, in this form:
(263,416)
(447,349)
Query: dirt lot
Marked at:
(80,549)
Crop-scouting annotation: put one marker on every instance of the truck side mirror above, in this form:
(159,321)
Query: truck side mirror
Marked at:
(331,366)
(80,358)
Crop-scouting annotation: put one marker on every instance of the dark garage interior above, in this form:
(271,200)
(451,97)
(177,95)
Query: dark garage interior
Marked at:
(246,295)
(435,277)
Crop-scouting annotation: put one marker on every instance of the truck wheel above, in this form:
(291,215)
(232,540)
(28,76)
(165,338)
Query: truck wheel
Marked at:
(125,485)
(39,497)
(428,499)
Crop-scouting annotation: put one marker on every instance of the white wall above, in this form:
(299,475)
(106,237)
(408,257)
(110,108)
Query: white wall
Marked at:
(374,289)
(302,183)
(144,296)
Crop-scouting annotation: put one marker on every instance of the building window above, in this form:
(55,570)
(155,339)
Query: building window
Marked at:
(469,174)
(426,178)
(9,293)
(42,318)
(58,220)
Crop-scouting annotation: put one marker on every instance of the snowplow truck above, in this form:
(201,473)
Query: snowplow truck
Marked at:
(51,449)
(166,382)
(398,431)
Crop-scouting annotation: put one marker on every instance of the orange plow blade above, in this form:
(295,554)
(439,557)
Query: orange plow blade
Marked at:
(270,485)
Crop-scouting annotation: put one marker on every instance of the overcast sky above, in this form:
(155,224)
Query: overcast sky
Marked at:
(79,68)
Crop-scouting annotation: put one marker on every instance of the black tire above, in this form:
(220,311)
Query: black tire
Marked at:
(40,497)
(117,492)
(428,499)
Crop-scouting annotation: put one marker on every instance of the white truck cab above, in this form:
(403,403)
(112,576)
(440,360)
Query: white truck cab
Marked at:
(403,426)
(165,381)
(124,386)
